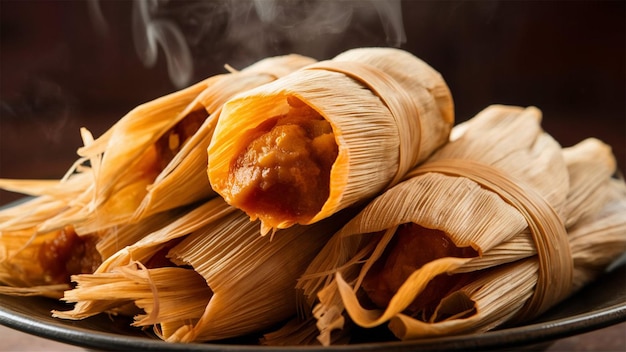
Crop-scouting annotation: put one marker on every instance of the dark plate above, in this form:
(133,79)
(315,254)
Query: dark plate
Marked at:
(600,304)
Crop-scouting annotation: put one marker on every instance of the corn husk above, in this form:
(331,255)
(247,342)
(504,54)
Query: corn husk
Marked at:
(487,189)
(598,237)
(141,251)
(123,159)
(388,111)
(246,280)
(49,198)
(125,154)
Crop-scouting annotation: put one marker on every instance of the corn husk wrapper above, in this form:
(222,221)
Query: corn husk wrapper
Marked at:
(124,161)
(49,197)
(230,281)
(21,271)
(94,301)
(388,110)
(70,201)
(487,189)
(125,151)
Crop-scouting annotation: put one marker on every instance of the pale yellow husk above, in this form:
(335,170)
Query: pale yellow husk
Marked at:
(166,230)
(51,198)
(388,111)
(598,238)
(123,150)
(122,158)
(523,269)
(72,200)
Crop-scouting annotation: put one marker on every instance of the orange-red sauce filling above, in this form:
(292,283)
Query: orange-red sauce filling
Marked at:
(68,254)
(172,142)
(284,172)
(411,248)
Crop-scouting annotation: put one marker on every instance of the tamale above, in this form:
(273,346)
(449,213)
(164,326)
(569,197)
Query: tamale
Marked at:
(429,256)
(236,282)
(330,135)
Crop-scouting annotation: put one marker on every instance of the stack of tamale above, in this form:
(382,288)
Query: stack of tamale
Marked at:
(139,199)
(141,171)
(379,211)
(226,249)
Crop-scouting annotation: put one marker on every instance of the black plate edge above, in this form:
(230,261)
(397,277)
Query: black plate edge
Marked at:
(511,337)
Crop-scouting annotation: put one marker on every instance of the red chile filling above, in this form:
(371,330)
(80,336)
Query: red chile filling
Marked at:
(284,172)
(411,248)
(68,254)
(171,142)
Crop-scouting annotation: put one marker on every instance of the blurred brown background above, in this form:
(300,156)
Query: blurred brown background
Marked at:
(69,64)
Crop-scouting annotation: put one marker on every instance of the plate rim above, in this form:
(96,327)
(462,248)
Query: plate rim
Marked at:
(526,335)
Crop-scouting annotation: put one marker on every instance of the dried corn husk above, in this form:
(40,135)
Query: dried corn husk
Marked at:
(598,238)
(122,152)
(51,197)
(487,189)
(123,158)
(93,298)
(148,242)
(126,160)
(225,250)
(388,110)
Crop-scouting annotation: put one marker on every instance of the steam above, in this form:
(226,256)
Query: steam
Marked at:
(391,17)
(149,31)
(247,30)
